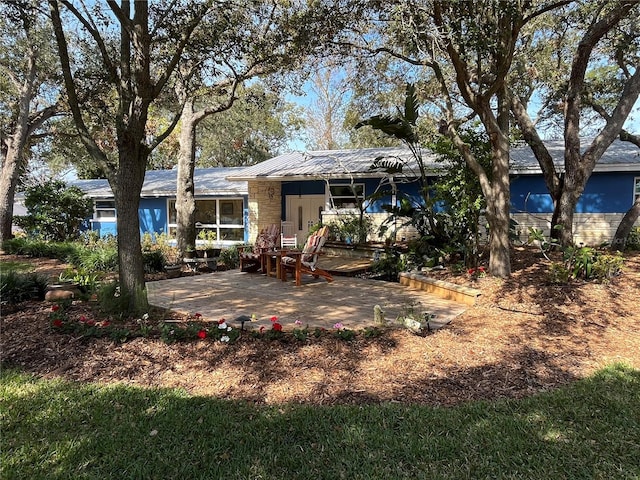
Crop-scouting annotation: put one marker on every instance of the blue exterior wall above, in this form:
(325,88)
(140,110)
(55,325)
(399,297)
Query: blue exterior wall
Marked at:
(318,187)
(153,215)
(604,193)
(104,228)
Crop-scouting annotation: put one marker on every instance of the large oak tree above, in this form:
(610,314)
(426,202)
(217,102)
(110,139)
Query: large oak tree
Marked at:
(127,56)
(29,94)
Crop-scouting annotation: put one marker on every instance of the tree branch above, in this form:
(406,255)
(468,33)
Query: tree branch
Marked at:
(63,50)
(111,68)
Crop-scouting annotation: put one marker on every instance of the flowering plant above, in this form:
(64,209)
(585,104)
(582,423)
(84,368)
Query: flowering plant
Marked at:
(477,272)
(195,328)
(344,333)
(84,326)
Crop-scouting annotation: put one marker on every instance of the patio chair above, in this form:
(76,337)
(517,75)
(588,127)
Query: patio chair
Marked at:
(254,259)
(306,261)
(287,242)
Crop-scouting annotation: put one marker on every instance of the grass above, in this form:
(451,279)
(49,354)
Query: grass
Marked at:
(56,429)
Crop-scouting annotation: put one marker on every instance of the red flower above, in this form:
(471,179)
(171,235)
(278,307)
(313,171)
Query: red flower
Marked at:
(274,319)
(221,321)
(198,315)
(83,319)
(261,329)
(57,323)
(91,323)
(471,271)
(106,323)
(481,269)
(202,334)
(277,327)
(55,308)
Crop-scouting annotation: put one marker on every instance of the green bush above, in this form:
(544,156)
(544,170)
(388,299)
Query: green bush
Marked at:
(18,287)
(558,273)
(607,266)
(153,261)
(55,211)
(109,298)
(38,248)
(230,257)
(99,255)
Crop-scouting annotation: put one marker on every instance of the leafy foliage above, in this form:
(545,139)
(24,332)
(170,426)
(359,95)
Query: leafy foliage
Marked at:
(55,211)
(230,257)
(583,262)
(16,287)
(448,209)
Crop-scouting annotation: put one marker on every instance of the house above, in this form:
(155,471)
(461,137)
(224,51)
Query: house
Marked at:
(221,205)
(611,190)
(303,188)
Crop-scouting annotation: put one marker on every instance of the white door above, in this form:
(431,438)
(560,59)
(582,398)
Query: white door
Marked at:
(304,212)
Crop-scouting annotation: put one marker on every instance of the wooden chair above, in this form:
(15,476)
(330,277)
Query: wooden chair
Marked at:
(288,242)
(306,261)
(254,259)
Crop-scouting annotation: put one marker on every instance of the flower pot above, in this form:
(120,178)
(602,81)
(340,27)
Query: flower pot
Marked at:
(173,271)
(62,291)
(190,254)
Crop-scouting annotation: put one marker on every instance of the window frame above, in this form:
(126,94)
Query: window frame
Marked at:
(636,189)
(354,195)
(110,208)
(217,227)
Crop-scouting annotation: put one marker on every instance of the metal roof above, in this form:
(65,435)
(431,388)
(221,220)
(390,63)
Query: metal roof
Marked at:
(163,183)
(322,164)
(620,156)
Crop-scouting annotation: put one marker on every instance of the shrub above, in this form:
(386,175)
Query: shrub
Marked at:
(110,300)
(55,211)
(558,273)
(17,287)
(607,266)
(153,261)
(99,255)
(230,257)
(579,261)
(38,248)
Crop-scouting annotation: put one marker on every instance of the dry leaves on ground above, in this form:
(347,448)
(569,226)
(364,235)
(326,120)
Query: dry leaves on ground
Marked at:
(523,336)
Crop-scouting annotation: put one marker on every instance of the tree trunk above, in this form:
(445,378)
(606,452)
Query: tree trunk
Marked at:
(129,180)
(8,182)
(626,225)
(574,184)
(500,205)
(185,201)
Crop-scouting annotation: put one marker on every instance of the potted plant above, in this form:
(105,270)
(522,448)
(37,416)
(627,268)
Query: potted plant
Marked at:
(207,243)
(172,262)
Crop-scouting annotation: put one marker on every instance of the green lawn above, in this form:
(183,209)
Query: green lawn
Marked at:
(57,429)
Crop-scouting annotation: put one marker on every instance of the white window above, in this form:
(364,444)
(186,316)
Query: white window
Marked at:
(636,189)
(346,195)
(104,210)
(224,216)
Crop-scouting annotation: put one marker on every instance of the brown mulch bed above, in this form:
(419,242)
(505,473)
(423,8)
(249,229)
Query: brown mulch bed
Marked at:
(523,336)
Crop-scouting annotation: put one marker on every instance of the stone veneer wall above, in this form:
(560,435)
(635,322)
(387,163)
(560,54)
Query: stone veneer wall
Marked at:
(588,228)
(265,206)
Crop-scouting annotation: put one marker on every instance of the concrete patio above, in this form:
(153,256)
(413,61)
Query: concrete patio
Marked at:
(316,303)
